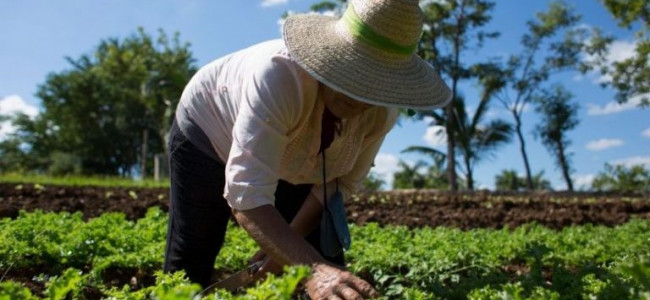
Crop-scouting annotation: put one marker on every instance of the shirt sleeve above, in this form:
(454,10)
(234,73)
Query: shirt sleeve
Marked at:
(269,108)
(351,182)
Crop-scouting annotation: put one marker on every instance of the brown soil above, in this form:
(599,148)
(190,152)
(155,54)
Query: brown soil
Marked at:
(496,210)
(415,208)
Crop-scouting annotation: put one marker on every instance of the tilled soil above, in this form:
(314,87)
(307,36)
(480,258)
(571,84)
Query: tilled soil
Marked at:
(414,208)
(496,210)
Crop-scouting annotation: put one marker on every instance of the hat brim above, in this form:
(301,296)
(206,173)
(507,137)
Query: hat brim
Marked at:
(359,71)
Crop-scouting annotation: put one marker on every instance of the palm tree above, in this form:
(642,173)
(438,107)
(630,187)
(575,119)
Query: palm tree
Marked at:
(409,177)
(474,138)
(541,183)
(508,180)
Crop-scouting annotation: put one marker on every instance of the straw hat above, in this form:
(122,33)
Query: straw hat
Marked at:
(369,54)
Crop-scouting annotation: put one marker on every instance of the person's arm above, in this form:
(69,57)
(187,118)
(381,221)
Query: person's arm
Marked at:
(276,238)
(304,223)
(267,227)
(308,217)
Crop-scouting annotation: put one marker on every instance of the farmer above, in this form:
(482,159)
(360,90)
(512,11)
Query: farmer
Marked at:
(269,133)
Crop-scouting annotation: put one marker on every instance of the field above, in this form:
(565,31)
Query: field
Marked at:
(83,242)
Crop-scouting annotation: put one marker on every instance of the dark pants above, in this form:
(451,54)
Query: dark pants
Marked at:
(198,213)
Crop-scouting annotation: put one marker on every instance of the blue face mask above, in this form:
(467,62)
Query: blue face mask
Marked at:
(334,232)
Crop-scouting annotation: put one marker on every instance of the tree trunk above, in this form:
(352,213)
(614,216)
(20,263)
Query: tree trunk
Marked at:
(522,149)
(565,166)
(451,147)
(470,176)
(143,157)
(451,107)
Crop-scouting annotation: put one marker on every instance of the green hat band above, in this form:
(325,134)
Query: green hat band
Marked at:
(361,31)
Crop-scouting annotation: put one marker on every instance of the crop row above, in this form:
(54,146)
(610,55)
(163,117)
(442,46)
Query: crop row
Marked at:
(57,254)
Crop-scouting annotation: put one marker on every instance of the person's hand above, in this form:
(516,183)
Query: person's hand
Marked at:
(269,265)
(330,283)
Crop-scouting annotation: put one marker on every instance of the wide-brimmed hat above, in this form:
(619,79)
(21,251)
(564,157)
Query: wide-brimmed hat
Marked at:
(369,54)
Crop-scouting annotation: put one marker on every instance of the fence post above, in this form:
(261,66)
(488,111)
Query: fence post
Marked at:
(156,167)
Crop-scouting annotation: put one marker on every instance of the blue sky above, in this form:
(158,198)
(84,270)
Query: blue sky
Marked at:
(36,36)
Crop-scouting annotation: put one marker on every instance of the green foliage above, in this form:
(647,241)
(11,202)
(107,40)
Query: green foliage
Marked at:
(372,183)
(410,177)
(10,290)
(12,158)
(558,116)
(100,113)
(552,43)
(509,180)
(327,6)
(105,181)
(475,138)
(583,262)
(176,287)
(168,286)
(451,28)
(629,11)
(620,178)
(276,288)
(63,164)
(68,284)
(629,77)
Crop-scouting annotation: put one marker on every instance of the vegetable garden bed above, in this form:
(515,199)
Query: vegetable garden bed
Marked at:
(59,255)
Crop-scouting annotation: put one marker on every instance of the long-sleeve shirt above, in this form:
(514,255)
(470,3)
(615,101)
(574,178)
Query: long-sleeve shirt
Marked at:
(262,116)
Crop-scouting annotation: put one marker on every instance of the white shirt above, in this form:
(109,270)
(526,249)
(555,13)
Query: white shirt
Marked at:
(262,115)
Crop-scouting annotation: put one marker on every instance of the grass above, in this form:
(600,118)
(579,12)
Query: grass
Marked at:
(83,181)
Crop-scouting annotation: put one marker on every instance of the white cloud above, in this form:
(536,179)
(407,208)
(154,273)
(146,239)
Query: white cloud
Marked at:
(435,136)
(603,144)
(13,104)
(267,3)
(646,133)
(385,166)
(614,107)
(9,106)
(631,161)
(618,51)
(621,50)
(583,180)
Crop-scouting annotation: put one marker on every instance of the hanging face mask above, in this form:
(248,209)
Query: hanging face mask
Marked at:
(334,233)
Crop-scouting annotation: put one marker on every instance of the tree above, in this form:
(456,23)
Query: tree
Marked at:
(525,72)
(450,27)
(631,76)
(475,138)
(558,116)
(372,183)
(325,7)
(112,108)
(509,180)
(436,176)
(541,183)
(409,177)
(12,159)
(619,178)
